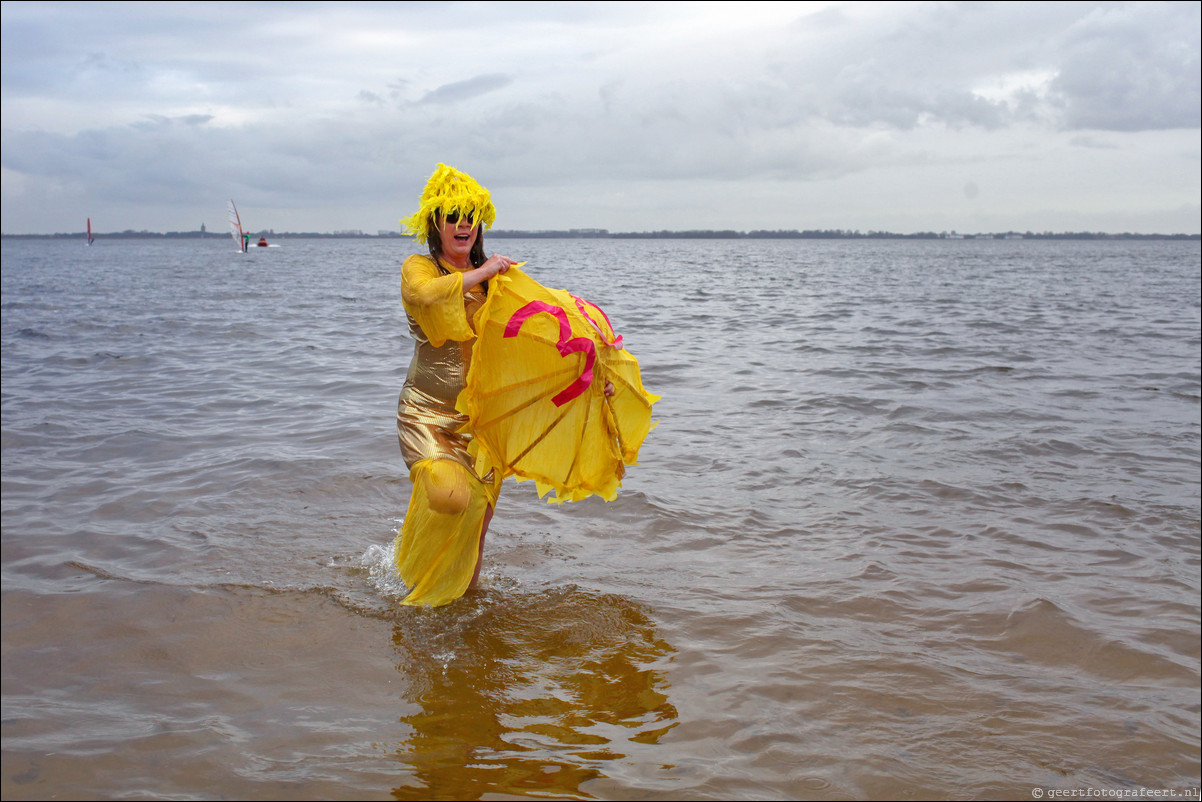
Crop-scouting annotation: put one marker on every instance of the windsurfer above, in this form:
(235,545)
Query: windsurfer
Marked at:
(245,241)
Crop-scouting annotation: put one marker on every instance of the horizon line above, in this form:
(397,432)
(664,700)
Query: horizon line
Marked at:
(601,233)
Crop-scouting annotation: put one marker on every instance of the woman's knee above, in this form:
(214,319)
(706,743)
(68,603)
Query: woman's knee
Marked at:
(448,487)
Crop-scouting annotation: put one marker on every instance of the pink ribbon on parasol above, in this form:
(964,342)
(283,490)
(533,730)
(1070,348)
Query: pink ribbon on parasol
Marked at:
(566,344)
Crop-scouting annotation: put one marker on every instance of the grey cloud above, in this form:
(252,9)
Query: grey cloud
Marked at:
(1121,67)
(156,121)
(181,162)
(1085,141)
(460,91)
(875,100)
(1133,69)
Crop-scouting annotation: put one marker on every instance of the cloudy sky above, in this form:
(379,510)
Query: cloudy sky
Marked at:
(893,116)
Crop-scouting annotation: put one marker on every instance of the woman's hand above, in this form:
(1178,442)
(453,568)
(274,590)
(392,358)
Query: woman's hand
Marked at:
(609,389)
(496,264)
(492,266)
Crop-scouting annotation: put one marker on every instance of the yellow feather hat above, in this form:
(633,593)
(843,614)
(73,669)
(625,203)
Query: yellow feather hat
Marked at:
(448,191)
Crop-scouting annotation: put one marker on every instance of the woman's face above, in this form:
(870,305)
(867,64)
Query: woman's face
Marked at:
(458,234)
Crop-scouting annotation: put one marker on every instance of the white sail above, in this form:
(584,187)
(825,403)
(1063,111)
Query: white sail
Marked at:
(235,223)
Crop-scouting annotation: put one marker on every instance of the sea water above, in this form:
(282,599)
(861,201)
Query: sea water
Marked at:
(920,519)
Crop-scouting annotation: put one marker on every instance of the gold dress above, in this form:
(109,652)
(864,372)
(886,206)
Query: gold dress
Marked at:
(437,549)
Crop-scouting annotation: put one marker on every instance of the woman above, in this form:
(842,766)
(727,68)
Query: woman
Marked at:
(441,542)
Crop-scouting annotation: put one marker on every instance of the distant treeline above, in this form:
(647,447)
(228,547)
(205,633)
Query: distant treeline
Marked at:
(600,233)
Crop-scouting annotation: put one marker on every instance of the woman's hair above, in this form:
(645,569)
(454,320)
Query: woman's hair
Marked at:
(434,240)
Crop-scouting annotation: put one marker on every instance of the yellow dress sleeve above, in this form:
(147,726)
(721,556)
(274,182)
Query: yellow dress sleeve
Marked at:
(435,301)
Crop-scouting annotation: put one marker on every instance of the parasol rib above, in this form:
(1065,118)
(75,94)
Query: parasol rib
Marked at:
(588,411)
(563,414)
(510,413)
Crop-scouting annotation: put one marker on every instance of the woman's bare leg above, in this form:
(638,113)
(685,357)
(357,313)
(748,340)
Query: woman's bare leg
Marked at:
(480,555)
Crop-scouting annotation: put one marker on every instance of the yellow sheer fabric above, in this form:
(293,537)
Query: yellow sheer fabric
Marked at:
(434,300)
(440,540)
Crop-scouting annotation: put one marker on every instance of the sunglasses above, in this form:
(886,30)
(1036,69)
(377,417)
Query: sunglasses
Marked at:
(453,218)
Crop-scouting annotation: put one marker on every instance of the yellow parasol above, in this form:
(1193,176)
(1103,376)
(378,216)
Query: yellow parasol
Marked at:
(535,394)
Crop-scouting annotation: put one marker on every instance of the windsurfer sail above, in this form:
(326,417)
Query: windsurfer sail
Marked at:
(91,239)
(235,225)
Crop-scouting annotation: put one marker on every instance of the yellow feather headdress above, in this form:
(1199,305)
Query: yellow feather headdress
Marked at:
(448,191)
